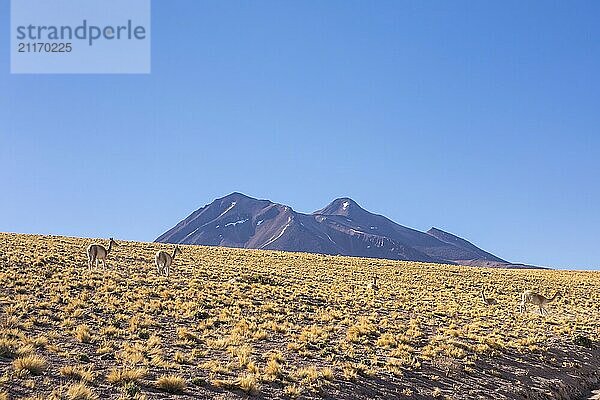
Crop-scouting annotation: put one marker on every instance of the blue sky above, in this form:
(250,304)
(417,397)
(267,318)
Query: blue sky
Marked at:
(481,119)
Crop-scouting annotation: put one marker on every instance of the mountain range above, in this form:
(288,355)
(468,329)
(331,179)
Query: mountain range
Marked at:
(343,228)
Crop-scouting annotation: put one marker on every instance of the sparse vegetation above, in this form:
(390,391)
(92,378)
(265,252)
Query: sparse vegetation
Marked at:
(83,334)
(280,325)
(35,365)
(79,391)
(248,383)
(122,376)
(77,372)
(171,384)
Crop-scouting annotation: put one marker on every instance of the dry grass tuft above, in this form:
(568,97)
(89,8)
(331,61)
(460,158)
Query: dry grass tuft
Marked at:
(8,347)
(77,372)
(293,391)
(33,364)
(272,370)
(83,334)
(171,384)
(248,383)
(122,376)
(79,391)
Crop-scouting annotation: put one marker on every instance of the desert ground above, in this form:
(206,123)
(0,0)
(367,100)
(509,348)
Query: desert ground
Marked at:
(234,323)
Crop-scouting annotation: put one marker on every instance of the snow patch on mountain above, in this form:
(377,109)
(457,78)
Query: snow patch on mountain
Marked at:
(241,221)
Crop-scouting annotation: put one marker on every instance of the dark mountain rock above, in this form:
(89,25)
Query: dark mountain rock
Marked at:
(469,249)
(343,227)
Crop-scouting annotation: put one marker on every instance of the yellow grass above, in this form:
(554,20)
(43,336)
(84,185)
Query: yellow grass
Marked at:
(32,364)
(77,372)
(79,391)
(171,384)
(278,324)
(121,376)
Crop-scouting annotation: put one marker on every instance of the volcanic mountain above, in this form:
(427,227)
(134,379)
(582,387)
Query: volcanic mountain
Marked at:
(343,228)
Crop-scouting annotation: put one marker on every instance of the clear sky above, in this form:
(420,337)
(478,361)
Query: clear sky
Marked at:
(480,119)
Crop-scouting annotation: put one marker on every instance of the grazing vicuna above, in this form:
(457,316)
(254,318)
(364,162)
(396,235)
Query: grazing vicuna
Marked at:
(536,299)
(373,284)
(164,260)
(96,252)
(486,300)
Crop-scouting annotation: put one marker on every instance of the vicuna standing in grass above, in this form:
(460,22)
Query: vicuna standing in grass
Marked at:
(536,299)
(373,284)
(96,252)
(486,300)
(164,260)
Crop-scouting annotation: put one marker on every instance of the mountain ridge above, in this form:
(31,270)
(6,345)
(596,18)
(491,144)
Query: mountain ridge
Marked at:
(342,227)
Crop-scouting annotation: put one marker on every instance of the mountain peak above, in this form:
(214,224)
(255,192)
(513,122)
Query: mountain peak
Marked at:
(342,227)
(236,196)
(341,206)
(345,204)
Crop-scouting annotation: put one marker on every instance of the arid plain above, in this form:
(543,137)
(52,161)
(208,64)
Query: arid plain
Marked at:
(232,323)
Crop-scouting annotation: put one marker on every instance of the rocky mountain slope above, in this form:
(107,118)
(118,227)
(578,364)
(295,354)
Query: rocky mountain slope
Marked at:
(342,227)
